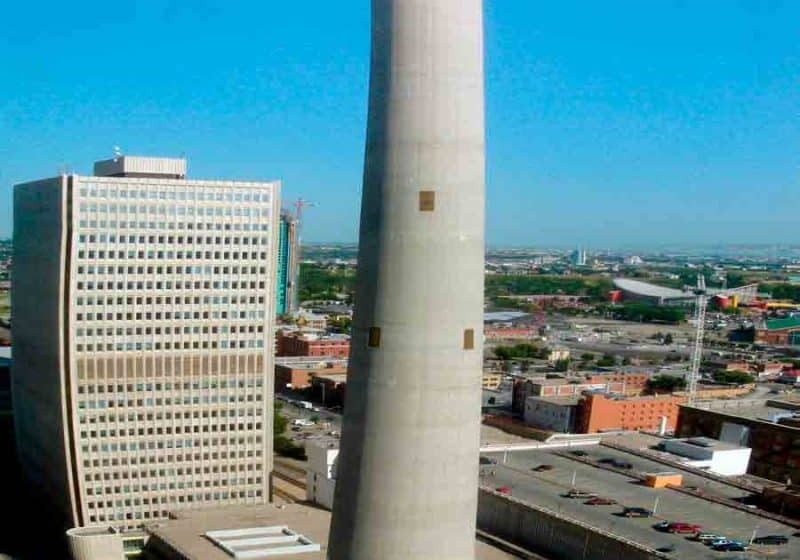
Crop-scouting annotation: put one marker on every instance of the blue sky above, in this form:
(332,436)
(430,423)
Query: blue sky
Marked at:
(608,124)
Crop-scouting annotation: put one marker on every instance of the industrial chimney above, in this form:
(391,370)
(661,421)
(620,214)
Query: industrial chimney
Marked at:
(408,469)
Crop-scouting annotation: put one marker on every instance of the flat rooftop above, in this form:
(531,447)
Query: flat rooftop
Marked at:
(707,443)
(185,536)
(756,411)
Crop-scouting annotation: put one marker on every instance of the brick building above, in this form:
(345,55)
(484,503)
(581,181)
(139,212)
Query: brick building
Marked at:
(628,383)
(600,413)
(306,344)
(297,372)
(329,388)
(768,429)
(780,332)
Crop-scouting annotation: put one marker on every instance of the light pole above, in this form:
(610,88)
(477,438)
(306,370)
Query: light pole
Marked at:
(574,477)
(655,505)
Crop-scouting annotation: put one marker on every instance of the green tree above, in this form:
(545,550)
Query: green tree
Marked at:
(607,361)
(561,365)
(279,422)
(666,383)
(737,377)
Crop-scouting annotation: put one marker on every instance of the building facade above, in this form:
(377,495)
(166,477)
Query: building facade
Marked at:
(144,308)
(775,441)
(779,332)
(297,372)
(600,413)
(306,344)
(287,266)
(557,414)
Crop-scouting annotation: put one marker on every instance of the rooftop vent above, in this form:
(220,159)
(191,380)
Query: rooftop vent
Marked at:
(261,542)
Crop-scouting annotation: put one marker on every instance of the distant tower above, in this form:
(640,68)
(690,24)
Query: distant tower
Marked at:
(578,257)
(286,285)
(408,469)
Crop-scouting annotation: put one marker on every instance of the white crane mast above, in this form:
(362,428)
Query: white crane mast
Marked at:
(701,303)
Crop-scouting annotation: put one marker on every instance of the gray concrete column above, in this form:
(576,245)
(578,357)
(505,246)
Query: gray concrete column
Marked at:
(408,468)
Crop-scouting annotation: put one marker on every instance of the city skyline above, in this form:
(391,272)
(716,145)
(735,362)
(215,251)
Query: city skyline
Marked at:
(667,129)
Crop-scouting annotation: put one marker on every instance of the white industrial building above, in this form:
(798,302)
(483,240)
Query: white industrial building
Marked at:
(715,456)
(321,471)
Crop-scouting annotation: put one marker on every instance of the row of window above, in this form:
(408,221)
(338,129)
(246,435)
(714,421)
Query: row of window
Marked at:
(165,415)
(180,469)
(167,300)
(179,485)
(114,447)
(170,239)
(166,401)
(162,514)
(170,315)
(194,193)
(171,225)
(170,255)
(124,461)
(177,329)
(185,345)
(169,386)
(169,430)
(93,208)
(141,270)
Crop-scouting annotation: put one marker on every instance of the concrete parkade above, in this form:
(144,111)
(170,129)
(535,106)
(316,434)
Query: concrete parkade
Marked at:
(545,489)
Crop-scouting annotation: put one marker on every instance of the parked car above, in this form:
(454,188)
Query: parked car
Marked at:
(662,525)
(598,501)
(683,528)
(636,512)
(606,460)
(720,542)
(504,490)
(579,494)
(707,538)
(771,539)
(579,453)
(621,464)
(730,546)
(543,468)
(487,461)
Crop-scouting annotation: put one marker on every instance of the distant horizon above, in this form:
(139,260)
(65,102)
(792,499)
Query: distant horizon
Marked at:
(616,125)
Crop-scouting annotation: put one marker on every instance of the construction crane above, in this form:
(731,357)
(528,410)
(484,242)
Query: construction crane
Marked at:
(745,293)
(700,305)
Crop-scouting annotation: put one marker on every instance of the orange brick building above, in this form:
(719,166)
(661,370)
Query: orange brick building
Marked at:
(300,376)
(300,344)
(599,413)
(627,383)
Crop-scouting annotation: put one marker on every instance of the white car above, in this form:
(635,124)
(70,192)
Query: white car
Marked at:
(708,538)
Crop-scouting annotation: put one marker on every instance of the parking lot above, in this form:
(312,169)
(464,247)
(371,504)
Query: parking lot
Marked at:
(547,487)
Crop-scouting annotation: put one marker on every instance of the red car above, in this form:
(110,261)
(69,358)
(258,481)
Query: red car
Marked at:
(504,490)
(683,528)
(600,502)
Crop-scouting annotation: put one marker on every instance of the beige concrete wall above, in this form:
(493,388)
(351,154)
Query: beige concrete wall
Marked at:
(546,533)
(37,307)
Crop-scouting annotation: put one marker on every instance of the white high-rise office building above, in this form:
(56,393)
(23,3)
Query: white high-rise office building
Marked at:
(143,309)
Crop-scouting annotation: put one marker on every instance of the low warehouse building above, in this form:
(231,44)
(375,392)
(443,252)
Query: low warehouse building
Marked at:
(715,456)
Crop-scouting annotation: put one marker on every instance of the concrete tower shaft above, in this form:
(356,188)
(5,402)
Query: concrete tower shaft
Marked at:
(408,467)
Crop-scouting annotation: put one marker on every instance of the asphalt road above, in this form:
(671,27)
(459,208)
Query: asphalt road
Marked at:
(546,489)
